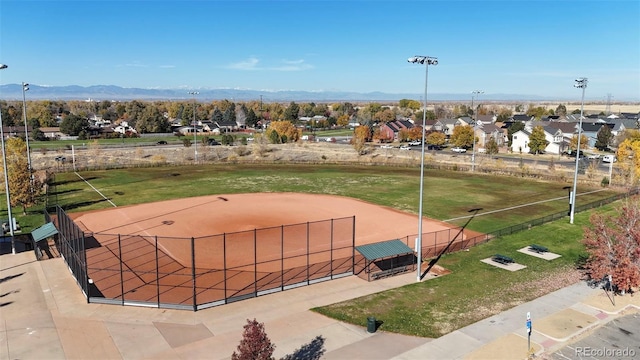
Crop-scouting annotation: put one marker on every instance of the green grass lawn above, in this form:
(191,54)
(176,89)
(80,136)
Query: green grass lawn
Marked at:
(472,291)
(447,195)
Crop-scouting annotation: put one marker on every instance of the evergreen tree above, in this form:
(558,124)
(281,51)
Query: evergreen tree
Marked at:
(252,119)
(604,138)
(291,113)
(217,116)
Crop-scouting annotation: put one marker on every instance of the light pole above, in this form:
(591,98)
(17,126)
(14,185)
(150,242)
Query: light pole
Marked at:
(195,126)
(475,123)
(25,88)
(580,83)
(422,60)
(6,181)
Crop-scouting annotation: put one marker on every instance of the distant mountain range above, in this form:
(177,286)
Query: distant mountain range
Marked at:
(112,92)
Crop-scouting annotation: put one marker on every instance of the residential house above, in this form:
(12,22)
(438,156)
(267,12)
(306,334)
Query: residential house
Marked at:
(187,130)
(522,117)
(484,132)
(556,142)
(448,125)
(227,125)
(210,127)
(434,125)
(51,132)
(390,130)
(124,128)
(590,130)
(15,131)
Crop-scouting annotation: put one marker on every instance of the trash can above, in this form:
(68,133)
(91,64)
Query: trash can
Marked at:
(371,324)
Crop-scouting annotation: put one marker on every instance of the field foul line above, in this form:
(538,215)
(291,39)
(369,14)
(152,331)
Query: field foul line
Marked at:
(520,206)
(98,191)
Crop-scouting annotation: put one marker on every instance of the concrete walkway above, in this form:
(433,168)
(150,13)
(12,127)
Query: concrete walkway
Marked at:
(43,315)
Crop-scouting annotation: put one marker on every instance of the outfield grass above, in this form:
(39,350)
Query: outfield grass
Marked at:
(447,195)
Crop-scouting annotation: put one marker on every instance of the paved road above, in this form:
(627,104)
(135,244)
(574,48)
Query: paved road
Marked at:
(617,339)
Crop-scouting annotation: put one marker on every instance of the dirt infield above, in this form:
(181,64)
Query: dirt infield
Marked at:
(219,214)
(243,244)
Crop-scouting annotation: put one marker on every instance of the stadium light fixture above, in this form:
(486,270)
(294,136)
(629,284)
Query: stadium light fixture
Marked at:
(580,83)
(422,60)
(195,126)
(6,182)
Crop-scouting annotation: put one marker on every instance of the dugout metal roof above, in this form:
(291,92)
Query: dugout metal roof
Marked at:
(384,249)
(44,232)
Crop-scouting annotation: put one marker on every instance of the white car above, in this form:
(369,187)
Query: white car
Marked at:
(593,156)
(609,159)
(415,143)
(405,147)
(386,147)
(459,150)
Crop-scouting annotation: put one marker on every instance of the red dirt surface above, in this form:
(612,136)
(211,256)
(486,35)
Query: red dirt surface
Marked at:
(227,265)
(218,214)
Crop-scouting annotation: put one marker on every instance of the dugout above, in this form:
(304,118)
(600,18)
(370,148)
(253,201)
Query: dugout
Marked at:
(386,258)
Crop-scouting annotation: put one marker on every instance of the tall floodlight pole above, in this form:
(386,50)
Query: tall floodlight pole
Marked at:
(25,88)
(475,124)
(6,181)
(580,83)
(426,61)
(195,126)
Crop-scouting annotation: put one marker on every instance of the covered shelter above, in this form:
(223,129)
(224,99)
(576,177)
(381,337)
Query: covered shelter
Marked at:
(386,258)
(41,237)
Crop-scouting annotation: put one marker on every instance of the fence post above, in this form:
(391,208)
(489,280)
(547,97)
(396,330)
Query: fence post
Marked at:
(255,261)
(353,245)
(331,251)
(308,253)
(157,273)
(86,270)
(281,258)
(193,272)
(121,275)
(224,260)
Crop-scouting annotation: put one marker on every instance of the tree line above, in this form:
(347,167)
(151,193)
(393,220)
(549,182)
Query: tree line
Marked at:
(155,116)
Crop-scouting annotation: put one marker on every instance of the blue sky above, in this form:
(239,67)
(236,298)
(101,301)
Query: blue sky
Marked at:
(500,47)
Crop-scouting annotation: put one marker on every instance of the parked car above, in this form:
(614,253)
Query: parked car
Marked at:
(459,150)
(405,147)
(161,142)
(213,142)
(572,153)
(593,156)
(434,147)
(609,159)
(415,143)
(386,146)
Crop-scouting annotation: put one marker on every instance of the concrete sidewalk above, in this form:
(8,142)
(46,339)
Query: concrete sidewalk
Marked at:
(43,315)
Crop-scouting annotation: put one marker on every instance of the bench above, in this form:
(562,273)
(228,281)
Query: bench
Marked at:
(501,259)
(538,249)
(388,272)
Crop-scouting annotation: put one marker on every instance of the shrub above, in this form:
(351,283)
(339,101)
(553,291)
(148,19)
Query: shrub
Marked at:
(255,344)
